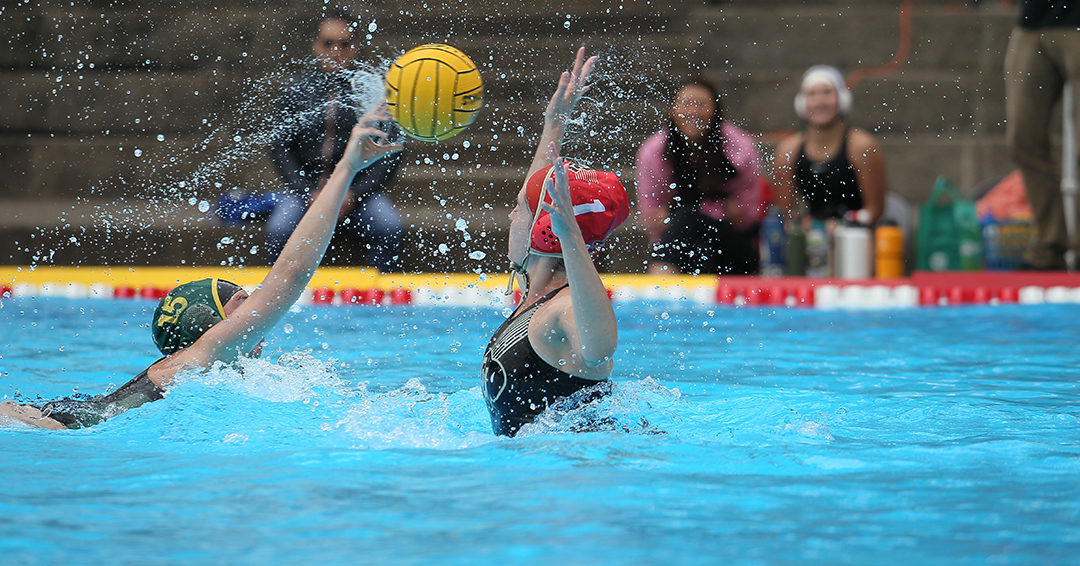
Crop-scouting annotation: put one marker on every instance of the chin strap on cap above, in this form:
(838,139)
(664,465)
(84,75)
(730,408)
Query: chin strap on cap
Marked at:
(518,268)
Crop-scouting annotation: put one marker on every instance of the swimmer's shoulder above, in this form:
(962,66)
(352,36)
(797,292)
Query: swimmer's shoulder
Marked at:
(549,334)
(552,314)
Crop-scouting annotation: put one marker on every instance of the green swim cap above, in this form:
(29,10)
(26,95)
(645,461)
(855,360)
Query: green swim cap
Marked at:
(188,311)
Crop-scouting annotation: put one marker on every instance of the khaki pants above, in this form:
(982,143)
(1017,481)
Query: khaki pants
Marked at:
(1037,66)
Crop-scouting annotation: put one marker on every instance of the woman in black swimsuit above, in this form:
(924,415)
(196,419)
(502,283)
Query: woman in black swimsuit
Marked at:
(562,336)
(201,322)
(829,170)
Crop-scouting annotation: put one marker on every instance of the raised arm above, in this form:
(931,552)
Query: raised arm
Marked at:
(572,86)
(593,333)
(292,271)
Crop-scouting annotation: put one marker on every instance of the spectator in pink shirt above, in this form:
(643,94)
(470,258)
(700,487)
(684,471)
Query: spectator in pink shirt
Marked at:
(699,189)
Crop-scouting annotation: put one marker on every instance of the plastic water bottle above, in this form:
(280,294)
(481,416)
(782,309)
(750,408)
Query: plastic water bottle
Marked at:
(853,251)
(795,251)
(817,250)
(889,252)
(772,244)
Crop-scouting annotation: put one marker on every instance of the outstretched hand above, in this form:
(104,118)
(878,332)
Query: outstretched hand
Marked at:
(572,86)
(561,208)
(363,150)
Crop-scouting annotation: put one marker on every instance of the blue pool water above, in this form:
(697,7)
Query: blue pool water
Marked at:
(945,436)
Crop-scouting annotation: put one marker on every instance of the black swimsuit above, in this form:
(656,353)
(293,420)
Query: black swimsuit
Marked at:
(830,188)
(518,385)
(84,411)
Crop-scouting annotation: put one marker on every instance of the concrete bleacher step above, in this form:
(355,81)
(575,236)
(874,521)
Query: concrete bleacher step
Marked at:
(438,238)
(73,170)
(762,36)
(190,37)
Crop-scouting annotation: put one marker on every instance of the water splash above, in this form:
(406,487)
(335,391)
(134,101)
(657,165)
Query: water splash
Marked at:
(638,407)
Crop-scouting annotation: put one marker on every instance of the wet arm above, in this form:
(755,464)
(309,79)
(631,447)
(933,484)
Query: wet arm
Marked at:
(298,260)
(593,332)
(572,86)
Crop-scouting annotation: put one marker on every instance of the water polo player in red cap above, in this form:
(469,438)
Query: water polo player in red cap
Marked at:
(201,322)
(562,336)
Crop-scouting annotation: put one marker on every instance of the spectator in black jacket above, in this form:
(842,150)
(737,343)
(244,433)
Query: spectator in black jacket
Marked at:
(320,112)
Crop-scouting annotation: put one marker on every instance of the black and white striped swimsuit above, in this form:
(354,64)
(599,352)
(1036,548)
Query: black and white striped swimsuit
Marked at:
(518,385)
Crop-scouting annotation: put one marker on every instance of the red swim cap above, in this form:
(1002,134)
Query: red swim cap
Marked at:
(600,205)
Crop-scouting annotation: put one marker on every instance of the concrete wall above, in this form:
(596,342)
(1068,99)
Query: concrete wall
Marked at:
(122,116)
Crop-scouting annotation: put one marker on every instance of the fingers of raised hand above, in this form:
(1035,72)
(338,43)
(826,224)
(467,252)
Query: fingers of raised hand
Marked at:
(553,155)
(378,136)
(579,59)
(587,70)
(565,84)
(372,133)
(583,68)
(560,193)
(377,114)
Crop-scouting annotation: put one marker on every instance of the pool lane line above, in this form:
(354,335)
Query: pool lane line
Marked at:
(362,286)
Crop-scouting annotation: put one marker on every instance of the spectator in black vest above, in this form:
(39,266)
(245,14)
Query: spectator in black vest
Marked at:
(319,113)
(829,170)
(1043,55)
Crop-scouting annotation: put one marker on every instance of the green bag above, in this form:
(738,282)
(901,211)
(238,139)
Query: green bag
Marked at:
(948,237)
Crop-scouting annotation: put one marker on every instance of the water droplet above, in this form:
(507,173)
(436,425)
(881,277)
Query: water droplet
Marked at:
(477,255)
(138,152)
(204,206)
(161,137)
(288,328)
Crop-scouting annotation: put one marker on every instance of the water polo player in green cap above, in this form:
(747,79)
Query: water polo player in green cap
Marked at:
(200,322)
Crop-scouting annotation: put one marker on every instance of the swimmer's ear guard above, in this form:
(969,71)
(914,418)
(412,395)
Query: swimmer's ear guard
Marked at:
(188,311)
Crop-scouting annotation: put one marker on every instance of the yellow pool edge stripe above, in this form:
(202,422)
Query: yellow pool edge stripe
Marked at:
(335,278)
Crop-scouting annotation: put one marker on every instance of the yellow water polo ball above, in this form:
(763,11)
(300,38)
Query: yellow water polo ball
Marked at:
(434,92)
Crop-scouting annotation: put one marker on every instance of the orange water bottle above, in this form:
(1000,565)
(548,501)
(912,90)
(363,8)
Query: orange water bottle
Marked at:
(889,252)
